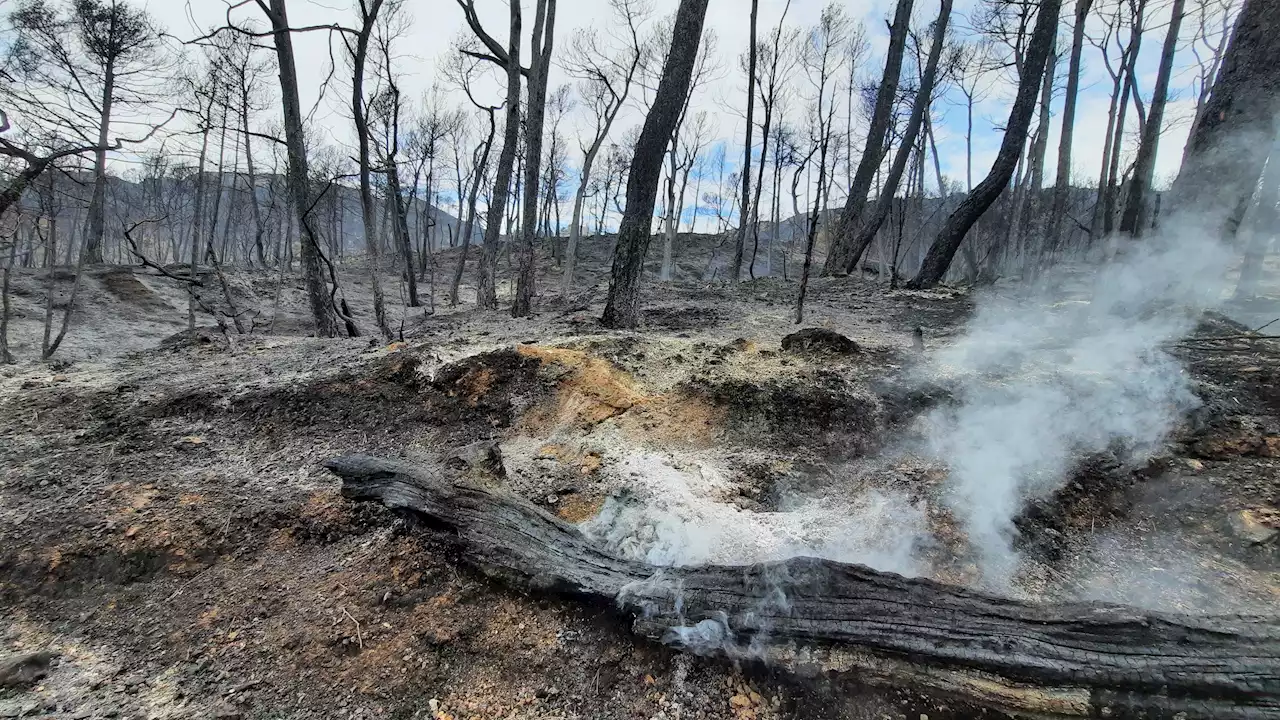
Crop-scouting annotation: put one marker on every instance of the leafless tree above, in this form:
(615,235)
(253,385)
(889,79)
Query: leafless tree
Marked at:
(1221,166)
(924,98)
(959,222)
(841,255)
(357,45)
(685,148)
(509,60)
(1144,165)
(606,73)
(461,71)
(740,240)
(1062,177)
(780,57)
(622,309)
(77,70)
(821,60)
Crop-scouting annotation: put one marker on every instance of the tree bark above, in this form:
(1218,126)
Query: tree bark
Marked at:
(815,616)
(1222,162)
(924,97)
(197,211)
(1030,210)
(1144,166)
(469,224)
(842,256)
(322,311)
(368,16)
(622,309)
(259,228)
(486,288)
(744,217)
(1062,179)
(1262,230)
(959,222)
(96,229)
(1111,188)
(539,67)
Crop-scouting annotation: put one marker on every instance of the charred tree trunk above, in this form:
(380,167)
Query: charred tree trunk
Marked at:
(322,310)
(1262,230)
(486,288)
(1062,180)
(539,66)
(96,229)
(1222,162)
(924,97)
(844,254)
(1144,166)
(251,179)
(809,615)
(359,53)
(623,307)
(744,216)
(468,226)
(957,225)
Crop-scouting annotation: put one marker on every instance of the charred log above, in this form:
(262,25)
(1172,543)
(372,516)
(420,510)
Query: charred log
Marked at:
(811,615)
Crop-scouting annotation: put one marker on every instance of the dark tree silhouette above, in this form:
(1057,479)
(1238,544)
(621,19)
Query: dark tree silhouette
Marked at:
(957,225)
(623,307)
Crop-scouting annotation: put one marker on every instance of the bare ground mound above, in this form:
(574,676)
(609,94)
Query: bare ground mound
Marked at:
(167,530)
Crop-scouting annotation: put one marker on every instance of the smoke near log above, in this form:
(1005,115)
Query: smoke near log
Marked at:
(1044,379)
(670,517)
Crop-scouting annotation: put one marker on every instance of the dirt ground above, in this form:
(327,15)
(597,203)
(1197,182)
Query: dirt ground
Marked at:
(167,532)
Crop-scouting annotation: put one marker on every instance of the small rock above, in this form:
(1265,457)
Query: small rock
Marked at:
(483,456)
(1256,525)
(188,442)
(223,710)
(19,670)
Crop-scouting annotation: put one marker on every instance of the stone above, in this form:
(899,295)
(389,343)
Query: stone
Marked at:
(484,457)
(19,670)
(1256,525)
(223,710)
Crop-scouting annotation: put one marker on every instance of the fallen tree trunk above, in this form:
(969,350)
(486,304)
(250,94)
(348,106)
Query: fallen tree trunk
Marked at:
(807,614)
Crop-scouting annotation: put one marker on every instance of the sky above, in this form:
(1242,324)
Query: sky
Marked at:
(434,25)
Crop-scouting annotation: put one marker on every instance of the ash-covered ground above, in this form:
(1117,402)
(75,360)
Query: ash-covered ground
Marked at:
(167,532)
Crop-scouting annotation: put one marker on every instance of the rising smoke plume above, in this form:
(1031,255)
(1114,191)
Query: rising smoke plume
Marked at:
(1061,371)
(681,515)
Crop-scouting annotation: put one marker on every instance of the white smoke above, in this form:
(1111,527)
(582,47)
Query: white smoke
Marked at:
(676,516)
(1047,377)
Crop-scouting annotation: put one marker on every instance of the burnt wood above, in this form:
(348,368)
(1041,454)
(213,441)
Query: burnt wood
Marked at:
(811,615)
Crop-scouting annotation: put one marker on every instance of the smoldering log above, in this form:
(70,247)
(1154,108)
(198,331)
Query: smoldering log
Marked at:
(810,615)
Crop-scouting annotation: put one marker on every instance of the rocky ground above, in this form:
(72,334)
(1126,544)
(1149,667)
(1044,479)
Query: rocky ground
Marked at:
(168,535)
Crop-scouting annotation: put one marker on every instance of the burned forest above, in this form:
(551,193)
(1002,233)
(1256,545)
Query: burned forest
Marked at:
(639,359)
